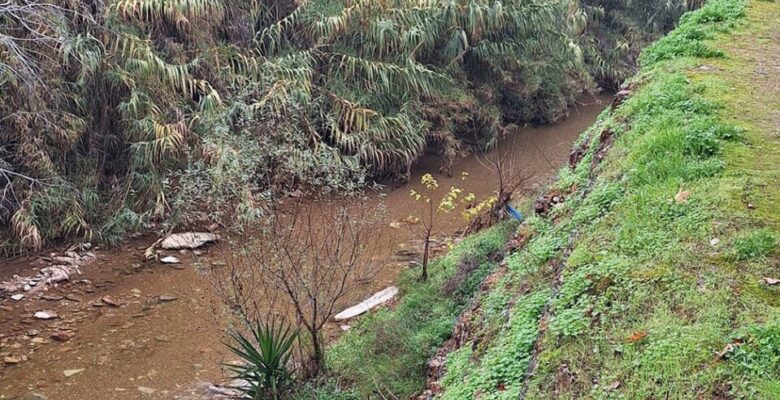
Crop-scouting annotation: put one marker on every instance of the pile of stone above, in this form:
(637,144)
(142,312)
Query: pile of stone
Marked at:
(58,269)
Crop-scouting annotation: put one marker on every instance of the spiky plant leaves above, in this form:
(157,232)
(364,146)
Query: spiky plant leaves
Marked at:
(265,360)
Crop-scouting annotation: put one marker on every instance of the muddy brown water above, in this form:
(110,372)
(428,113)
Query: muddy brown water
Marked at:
(148,349)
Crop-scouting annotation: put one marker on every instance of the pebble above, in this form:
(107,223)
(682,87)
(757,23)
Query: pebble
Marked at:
(61,336)
(72,298)
(17,297)
(170,260)
(45,315)
(714,242)
(11,360)
(58,275)
(146,390)
(70,372)
(167,298)
(33,396)
(110,301)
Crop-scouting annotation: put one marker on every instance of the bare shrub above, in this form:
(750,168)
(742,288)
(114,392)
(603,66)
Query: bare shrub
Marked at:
(302,264)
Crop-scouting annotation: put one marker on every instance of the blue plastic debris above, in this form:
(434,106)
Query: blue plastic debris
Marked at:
(514,213)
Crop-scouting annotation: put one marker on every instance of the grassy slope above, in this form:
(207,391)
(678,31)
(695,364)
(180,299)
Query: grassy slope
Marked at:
(388,350)
(622,292)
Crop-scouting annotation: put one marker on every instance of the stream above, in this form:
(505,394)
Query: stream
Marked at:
(163,337)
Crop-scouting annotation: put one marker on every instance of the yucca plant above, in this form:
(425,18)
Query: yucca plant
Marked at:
(266,356)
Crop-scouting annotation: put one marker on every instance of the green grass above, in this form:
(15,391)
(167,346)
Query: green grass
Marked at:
(646,300)
(630,289)
(388,351)
(754,244)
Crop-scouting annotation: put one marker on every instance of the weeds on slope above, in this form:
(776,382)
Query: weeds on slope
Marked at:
(663,276)
(388,351)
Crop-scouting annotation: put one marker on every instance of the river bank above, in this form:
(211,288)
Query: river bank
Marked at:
(146,347)
(656,277)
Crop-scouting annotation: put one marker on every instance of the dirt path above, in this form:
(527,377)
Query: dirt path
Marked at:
(146,348)
(753,74)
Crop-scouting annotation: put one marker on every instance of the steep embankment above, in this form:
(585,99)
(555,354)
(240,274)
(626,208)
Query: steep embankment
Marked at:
(650,269)
(654,278)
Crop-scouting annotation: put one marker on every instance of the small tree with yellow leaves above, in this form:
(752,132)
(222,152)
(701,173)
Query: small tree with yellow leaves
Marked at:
(433,207)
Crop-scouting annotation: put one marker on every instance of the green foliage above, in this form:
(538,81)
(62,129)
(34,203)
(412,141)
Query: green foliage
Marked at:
(640,298)
(613,32)
(688,40)
(266,358)
(432,205)
(755,244)
(758,350)
(387,352)
(499,374)
(329,390)
(146,106)
(645,300)
(707,140)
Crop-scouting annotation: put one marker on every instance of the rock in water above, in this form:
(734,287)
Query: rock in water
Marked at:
(223,391)
(146,390)
(12,360)
(170,260)
(33,396)
(70,372)
(367,304)
(58,274)
(107,299)
(45,315)
(61,336)
(166,298)
(66,260)
(188,240)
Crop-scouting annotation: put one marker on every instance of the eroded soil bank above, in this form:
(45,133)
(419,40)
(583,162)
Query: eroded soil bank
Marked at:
(162,337)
